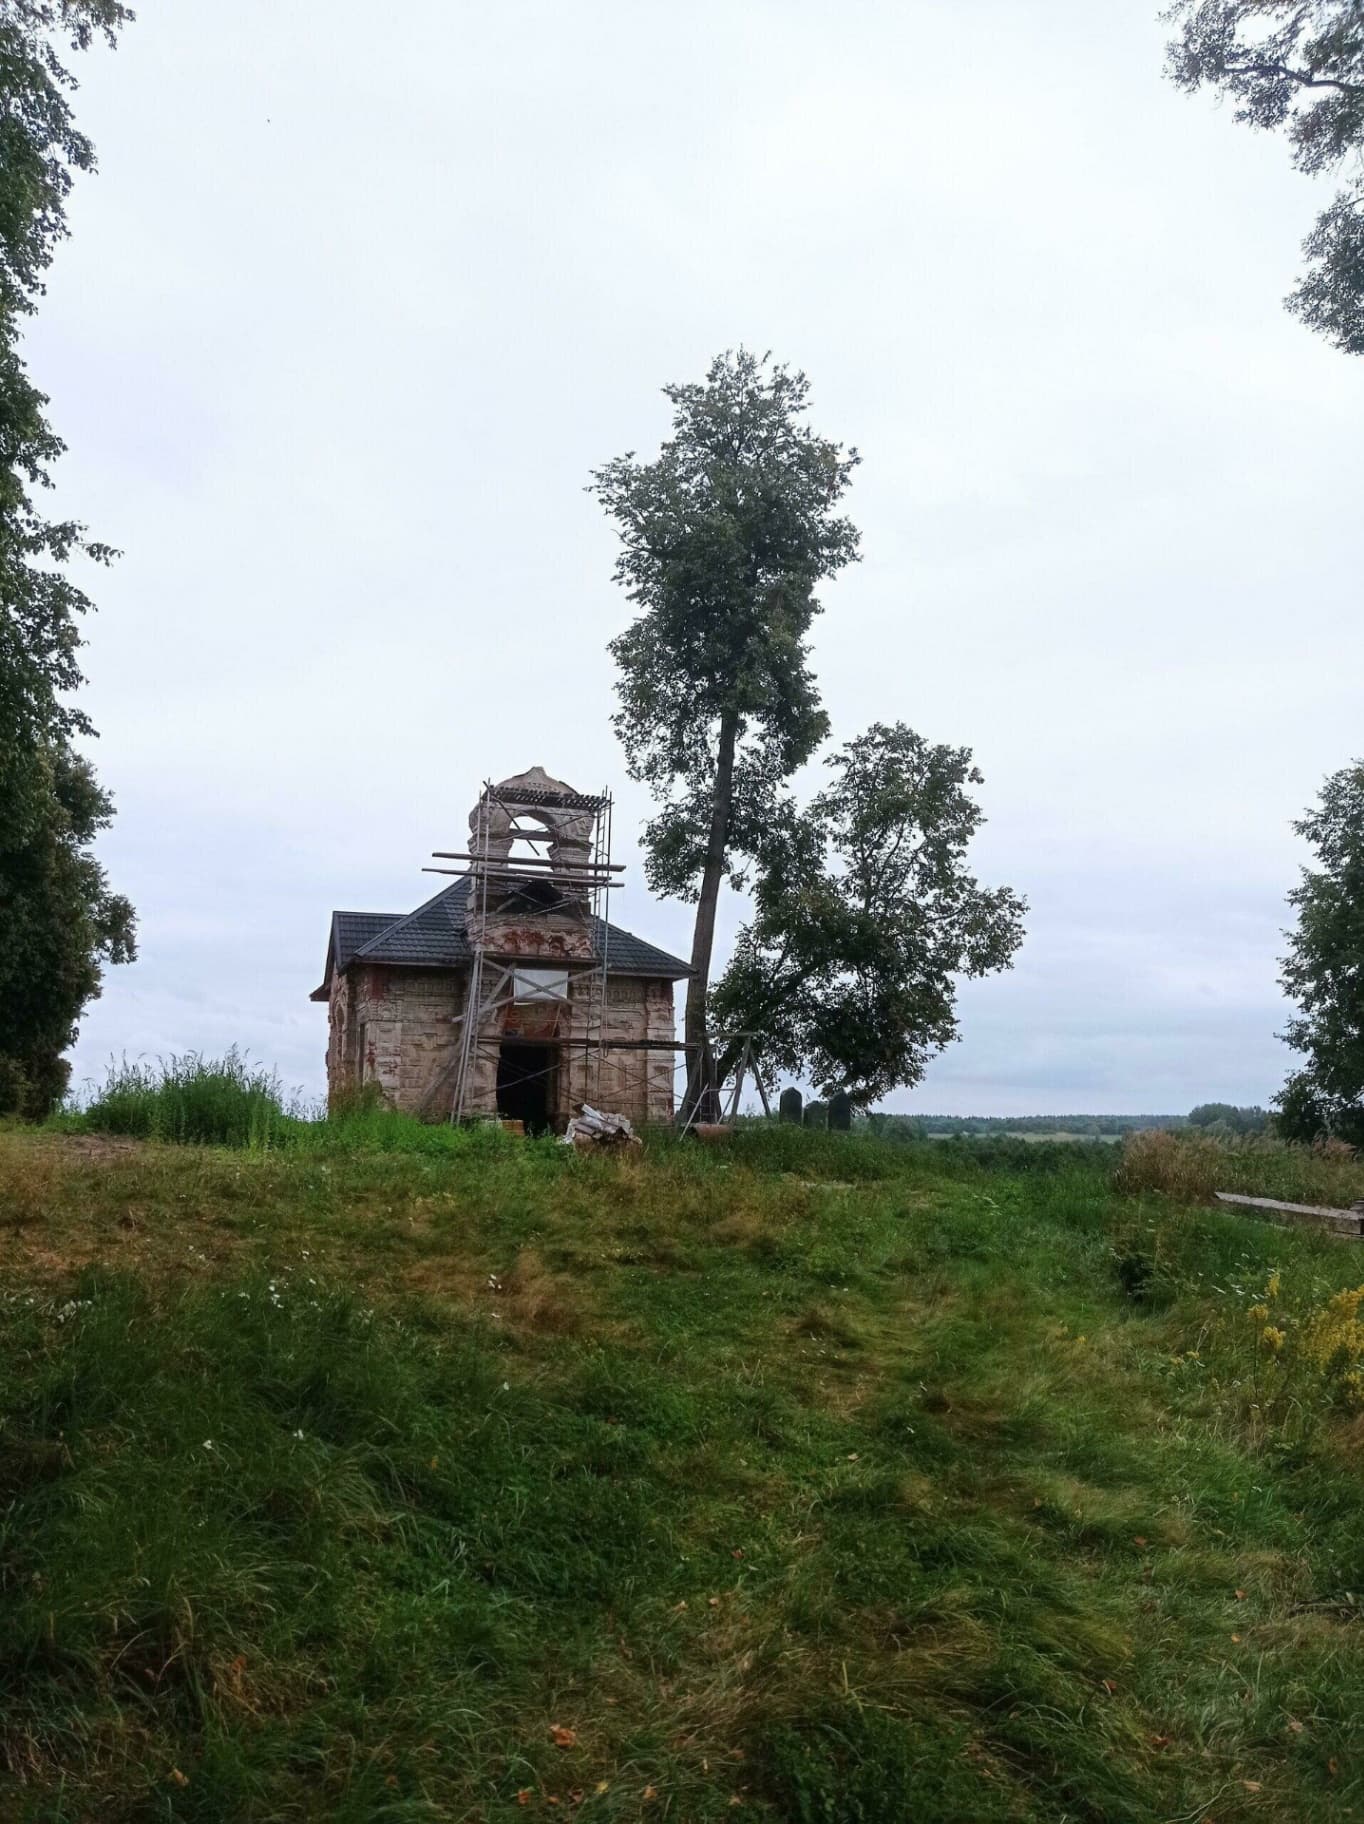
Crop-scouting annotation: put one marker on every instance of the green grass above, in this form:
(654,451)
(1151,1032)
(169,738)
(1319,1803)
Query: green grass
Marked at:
(856,1483)
(1193,1166)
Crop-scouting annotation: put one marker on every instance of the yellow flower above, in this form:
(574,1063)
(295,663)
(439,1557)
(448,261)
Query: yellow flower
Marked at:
(1272,1286)
(1258,1314)
(1272,1338)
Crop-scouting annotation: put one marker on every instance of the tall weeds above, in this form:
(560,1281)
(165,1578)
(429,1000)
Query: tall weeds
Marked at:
(225,1101)
(1189,1168)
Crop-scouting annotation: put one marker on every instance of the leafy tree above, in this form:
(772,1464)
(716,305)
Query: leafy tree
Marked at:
(1227,1118)
(1295,66)
(1324,970)
(58,920)
(864,915)
(724,537)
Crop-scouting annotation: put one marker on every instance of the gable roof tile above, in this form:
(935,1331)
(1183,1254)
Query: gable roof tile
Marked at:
(434,937)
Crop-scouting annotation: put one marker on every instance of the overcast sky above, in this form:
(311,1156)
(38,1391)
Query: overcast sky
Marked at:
(361,294)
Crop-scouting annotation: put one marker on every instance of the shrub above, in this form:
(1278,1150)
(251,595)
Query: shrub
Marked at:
(1184,1168)
(1189,1168)
(225,1101)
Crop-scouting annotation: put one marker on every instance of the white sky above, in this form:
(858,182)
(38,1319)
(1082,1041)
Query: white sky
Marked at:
(360,296)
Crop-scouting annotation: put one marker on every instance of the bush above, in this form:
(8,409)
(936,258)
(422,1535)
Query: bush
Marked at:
(224,1102)
(1189,1168)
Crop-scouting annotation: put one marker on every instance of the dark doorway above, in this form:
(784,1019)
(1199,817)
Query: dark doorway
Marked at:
(525,1085)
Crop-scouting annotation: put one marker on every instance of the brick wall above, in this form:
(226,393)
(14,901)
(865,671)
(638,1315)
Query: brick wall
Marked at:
(396,1027)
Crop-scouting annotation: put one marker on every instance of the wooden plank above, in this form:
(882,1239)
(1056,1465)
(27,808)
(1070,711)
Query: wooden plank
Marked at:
(1340,1222)
(526,861)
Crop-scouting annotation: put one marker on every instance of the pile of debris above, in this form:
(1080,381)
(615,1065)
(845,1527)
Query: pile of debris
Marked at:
(590,1128)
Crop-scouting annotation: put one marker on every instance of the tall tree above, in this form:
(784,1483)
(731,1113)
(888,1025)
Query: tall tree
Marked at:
(58,919)
(724,537)
(1324,970)
(1295,66)
(865,913)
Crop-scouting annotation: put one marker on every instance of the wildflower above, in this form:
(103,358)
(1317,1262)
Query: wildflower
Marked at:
(1272,1338)
(1258,1314)
(1272,1286)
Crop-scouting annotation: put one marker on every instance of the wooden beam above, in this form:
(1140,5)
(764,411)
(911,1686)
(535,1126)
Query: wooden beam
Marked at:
(527,861)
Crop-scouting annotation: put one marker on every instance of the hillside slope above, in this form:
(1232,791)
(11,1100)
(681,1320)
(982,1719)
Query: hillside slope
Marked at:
(813,1480)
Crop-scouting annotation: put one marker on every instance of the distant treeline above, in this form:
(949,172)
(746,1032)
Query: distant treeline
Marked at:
(1211,1117)
(921,1127)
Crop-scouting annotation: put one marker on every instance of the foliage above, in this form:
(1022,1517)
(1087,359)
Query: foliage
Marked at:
(864,915)
(1324,969)
(60,923)
(191,1099)
(1190,1167)
(229,1101)
(919,1127)
(59,919)
(1227,1118)
(1295,66)
(351,1487)
(725,536)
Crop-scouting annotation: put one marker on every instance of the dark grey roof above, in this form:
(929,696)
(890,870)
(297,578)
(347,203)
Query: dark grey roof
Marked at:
(434,937)
(351,931)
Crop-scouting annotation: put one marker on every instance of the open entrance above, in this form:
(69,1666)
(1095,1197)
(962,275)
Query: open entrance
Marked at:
(525,1084)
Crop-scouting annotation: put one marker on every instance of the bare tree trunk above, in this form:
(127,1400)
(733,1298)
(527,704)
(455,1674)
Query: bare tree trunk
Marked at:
(702,1084)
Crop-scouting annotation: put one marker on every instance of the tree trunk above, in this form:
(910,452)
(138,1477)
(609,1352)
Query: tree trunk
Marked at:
(702,1098)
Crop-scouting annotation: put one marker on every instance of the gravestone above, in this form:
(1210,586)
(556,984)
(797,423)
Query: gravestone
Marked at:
(840,1112)
(788,1109)
(816,1115)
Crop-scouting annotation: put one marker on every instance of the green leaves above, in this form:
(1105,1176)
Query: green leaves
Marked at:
(864,915)
(1324,969)
(1295,66)
(59,919)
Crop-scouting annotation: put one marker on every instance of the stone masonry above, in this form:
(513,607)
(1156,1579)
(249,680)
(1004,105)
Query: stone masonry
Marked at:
(396,987)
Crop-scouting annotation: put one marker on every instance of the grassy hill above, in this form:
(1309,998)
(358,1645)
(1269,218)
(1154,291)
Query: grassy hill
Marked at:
(809,1479)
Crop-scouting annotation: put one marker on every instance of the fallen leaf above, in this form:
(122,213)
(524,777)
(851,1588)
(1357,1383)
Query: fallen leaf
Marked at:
(177,1778)
(1160,1741)
(649,1792)
(392,1780)
(523,1797)
(1333,1766)
(602,1786)
(577,1796)
(1109,1686)
(1295,1725)
(734,1799)
(852,1456)
(1139,1540)
(1237,1639)
(563,1738)
(713,1601)
(737,1552)
(1251,1785)
(1240,1597)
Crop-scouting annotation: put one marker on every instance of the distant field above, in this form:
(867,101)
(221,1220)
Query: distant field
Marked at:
(810,1479)
(1014,1133)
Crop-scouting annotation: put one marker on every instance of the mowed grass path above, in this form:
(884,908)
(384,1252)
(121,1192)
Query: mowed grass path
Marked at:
(808,1480)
